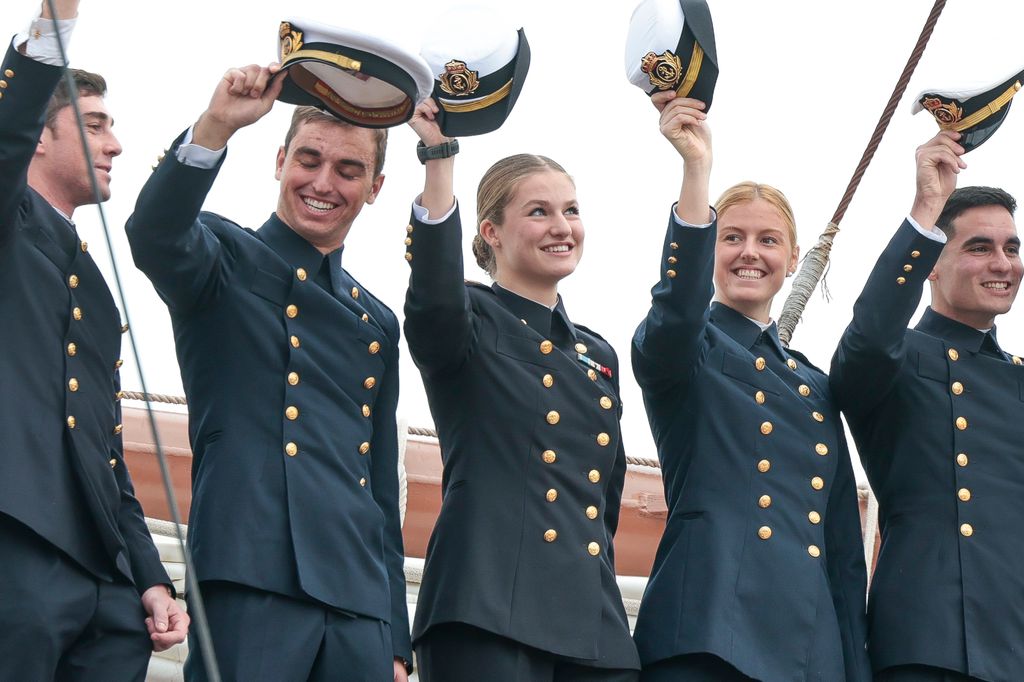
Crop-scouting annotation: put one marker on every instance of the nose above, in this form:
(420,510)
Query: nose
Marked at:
(750,252)
(560,226)
(322,180)
(1000,261)
(113,147)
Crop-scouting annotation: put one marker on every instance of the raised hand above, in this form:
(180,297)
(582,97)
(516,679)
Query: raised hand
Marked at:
(939,161)
(683,125)
(424,123)
(242,97)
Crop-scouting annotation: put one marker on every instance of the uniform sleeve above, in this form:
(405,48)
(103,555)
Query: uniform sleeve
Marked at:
(170,242)
(384,472)
(668,342)
(440,326)
(846,572)
(28,88)
(871,351)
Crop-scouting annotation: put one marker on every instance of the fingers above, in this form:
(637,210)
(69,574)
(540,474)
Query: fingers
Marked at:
(660,100)
(175,628)
(942,150)
(251,80)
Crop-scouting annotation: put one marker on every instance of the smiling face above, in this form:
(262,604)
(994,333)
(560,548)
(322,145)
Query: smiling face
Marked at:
(754,252)
(326,177)
(540,238)
(979,272)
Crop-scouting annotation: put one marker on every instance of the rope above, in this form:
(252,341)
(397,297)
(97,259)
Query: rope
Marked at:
(813,267)
(403,477)
(155,397)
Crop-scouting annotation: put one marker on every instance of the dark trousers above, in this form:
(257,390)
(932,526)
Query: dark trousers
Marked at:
(454,652)
(266,637)
(921,673)
(692,668)
(59,622)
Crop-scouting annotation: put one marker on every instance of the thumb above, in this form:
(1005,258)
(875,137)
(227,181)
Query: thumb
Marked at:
(274,89)
(160,617)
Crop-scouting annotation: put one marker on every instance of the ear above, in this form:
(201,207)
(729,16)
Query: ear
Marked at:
(794,259)
(280,162)
(489,231)
(933,276)
(375,186)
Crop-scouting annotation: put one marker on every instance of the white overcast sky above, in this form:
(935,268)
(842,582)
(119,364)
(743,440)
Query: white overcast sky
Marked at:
(802,85)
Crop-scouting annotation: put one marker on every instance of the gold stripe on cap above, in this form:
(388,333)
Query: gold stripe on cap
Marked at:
(692,71)
(477,104)
(330,57)
(986,111)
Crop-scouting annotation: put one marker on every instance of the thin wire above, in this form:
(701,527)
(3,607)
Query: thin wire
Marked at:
(197,610)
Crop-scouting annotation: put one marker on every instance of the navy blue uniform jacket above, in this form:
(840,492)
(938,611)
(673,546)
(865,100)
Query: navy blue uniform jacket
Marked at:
(762,562)
(938,424)
(295,470)
(533,462)
(61,472)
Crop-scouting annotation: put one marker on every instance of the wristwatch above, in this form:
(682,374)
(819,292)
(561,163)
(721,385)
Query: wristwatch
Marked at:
(438,151)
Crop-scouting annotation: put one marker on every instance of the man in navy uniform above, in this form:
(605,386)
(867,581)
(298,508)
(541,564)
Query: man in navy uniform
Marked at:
(936,414)
(291,373)
(82,593)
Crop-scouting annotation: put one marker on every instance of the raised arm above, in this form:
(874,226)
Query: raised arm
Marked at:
(439,323)
(871,350)
(668,341)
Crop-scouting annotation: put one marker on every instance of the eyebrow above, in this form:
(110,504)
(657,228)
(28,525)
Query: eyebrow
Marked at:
(309,151)
(988,241)
(98,116)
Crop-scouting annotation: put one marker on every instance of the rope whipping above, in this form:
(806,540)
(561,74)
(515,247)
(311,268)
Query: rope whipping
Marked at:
(815,262)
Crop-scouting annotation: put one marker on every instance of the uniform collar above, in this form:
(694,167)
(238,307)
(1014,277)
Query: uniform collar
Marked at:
(538,316)
(287,244)
(743,330)
(965,337)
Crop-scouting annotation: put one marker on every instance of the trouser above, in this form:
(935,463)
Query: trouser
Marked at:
(262,636)
(455,652)
(921,673)
(60,622)
(692,668)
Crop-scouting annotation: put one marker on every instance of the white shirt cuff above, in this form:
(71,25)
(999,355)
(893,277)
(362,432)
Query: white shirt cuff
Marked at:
(935,234)
(422,214)
(683,223)
(197,156)
(40,40)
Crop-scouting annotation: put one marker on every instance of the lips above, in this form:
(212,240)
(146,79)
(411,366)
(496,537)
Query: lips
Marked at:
(318,205)
(557,248)
(748,273)
(996,286)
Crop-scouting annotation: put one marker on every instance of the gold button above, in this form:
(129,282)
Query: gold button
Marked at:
(366,410)
(550,535)
(814,517)
(364,447)
(546,346)
(362,482)
(408,241)
(1017,360)
(603,439)
(671,274)
(821,449)
(594,476)
(3,84)
(553,417)
(672,260)
(592,374)
(408,256)
(292,311)
(293,378)
(292,412)
(953,354)
(961,459)
(118,428)
(85,246)
(961,423)
(766,428)
(814,551)
(591,512)
(791,363)
(551,495)
(294,340)
(523,321)
(818,416)
(119,363)
(957,388)
(581,348)
(408,229)
(594,549)
(804,390)
(301,274)
(908,267)
(901,280)
(72,384)
(763,466)
(548,381)
(817,483)
(369,383)
(71,421)
(76,313)
(73,281)
(759,397)
(606,402)
(374,347)
(964,494)
(355,292)
(967,530)
(760,364)
(549,456)
(124,328)
(9,73)
(291,449)
(915,254)
(673,246)
(113,463)
(764,501)
(764,532)
(365,317)
(119,395)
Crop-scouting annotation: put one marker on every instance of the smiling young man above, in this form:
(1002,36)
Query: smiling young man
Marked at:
(936,414)
(291,373)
